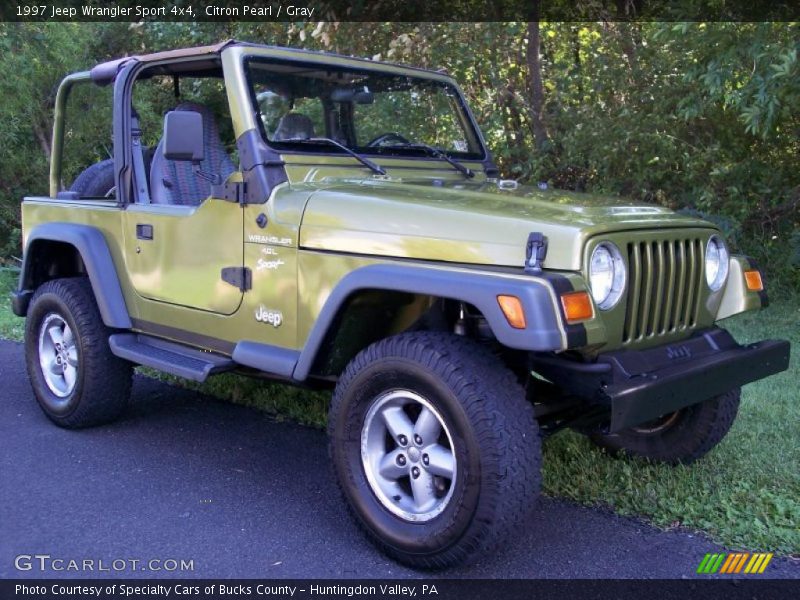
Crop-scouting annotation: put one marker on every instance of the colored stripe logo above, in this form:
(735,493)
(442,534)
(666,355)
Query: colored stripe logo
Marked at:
(734,563)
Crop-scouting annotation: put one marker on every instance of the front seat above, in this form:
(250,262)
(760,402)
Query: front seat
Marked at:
(175,182)
(293,126)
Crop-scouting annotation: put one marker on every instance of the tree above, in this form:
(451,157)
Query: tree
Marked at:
(536,86)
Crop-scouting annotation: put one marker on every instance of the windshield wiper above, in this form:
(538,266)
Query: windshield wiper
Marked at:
(438,153)
(375,168)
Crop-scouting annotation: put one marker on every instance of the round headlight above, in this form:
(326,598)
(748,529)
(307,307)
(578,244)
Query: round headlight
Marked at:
(716,262)
(606,275)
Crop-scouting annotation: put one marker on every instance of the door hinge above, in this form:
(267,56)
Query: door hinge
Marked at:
(238,277)
(232,192)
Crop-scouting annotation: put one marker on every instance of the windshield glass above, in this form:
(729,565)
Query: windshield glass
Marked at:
(370,112)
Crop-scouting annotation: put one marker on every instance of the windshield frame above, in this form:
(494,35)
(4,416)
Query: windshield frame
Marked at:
(464,115)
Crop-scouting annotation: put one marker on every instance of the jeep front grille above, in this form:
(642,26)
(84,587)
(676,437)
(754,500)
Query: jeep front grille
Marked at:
(664,279)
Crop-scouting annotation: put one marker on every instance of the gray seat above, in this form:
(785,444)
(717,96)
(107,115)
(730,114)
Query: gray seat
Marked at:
(293,126)
(175,182)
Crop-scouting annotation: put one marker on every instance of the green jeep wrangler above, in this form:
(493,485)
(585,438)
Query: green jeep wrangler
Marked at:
(339,223)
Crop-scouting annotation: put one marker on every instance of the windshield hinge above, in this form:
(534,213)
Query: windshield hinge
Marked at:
(535,252)
(238,277)
(230,192)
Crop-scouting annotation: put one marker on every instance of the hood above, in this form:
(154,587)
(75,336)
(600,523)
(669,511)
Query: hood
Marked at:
(465,222)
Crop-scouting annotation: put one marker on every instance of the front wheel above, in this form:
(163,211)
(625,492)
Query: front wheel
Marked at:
(680,437)
(435,448)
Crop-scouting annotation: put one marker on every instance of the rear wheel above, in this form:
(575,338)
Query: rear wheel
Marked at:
(435,448)
(680,437)
(76,379)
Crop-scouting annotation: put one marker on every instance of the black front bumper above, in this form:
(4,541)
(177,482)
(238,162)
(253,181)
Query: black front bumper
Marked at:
(641,385)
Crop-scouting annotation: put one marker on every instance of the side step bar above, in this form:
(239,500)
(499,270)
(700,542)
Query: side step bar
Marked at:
(168,357)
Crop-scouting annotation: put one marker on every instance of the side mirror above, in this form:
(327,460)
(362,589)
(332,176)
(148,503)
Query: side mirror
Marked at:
(183,136)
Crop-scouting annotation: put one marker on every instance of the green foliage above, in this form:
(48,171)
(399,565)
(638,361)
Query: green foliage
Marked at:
(702,116)
(35,57)
(87,129)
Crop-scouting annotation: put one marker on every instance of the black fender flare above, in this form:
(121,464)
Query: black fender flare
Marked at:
(544,330)
(93,249)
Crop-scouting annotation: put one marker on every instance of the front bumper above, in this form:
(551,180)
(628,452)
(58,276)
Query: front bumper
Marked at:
(641,385)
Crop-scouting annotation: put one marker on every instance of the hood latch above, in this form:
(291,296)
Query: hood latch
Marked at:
(535,252)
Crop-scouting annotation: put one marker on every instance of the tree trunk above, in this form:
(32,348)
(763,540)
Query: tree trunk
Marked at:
(625,35)
(576,57)
(626,9)
(536,86)
(42,138)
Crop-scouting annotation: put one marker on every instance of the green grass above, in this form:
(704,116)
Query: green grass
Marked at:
(282,401)
(11,326)
(745,493)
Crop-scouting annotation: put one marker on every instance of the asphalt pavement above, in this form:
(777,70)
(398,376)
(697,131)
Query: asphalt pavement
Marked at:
(182,476)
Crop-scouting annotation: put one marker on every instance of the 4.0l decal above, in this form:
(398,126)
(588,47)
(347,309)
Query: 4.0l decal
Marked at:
(272,263)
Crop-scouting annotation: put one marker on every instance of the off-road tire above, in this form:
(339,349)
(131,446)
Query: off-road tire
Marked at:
(496,445)
(103,384)
(96,181)
(693,432)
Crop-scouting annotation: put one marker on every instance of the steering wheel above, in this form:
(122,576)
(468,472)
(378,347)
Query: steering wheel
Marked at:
(389,136)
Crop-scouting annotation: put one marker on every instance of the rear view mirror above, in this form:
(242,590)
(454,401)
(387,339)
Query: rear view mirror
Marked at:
(360,95)
(364,96)
(183,136)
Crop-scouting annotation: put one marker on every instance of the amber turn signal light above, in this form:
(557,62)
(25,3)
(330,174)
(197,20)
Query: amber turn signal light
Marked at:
(512,309)
(577,306)
(753,281)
